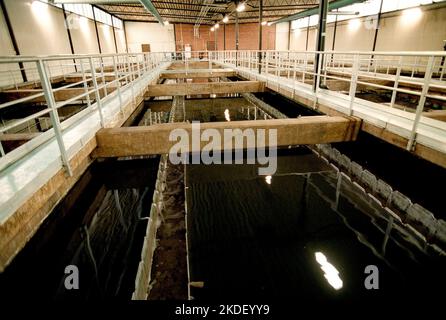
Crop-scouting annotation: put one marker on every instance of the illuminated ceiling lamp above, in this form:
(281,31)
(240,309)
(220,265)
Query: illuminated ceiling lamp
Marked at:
(264,23)
(216,26)
(166,23)
(225,19)
(241,7)
(412,14)
(212,29)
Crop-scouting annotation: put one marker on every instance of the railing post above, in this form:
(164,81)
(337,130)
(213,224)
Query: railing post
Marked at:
(138,66)
(144,63)
(294,76)
(395,85)
(118,83)
(130,74)
(85,84)
(2,151)
(421,102)
(96,91)
(353,83)
(267,67)
(317,83)
(101,62)
(49,97)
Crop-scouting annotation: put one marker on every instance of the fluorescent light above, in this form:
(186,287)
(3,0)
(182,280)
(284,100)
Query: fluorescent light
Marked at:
(225,19)
(38,7)
(264,23)
(343,13)
(241,7)
(354,24)
(412,14)
(83,23)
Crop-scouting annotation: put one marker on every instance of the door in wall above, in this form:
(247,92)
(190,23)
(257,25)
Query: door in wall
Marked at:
(145,47)
(211,45)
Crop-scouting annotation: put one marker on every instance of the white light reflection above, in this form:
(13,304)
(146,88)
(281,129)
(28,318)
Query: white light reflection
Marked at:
(331,274)
(227,116)
(268,179)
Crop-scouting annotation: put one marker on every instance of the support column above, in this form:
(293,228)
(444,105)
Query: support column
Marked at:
(236,38)
(69,35)
(13,40)
(378,21)
(97,32)
(114,36)
(308,33)
(334,32)
(224,36)
(320,41)
(236,31)
(260,34)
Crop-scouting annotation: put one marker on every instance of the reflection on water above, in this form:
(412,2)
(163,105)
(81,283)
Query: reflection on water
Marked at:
(330,272)
(98,227)
(222,109)
(299,233)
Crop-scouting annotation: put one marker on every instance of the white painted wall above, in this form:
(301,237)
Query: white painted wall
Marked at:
(83,35)
(352,36)
(120,40)
(425,33)
(38,28)
(9,73)
(397,33)
(106,38)
(282,35)
(298,39)
(161,38)
(41,29)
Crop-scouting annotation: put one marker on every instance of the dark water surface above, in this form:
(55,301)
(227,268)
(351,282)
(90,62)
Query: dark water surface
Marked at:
(252,239)
(112,201)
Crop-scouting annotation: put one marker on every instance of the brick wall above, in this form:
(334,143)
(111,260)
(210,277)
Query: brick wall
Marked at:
(248,36)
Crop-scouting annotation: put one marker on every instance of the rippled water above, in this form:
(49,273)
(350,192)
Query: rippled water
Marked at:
(252,236)
(98,227)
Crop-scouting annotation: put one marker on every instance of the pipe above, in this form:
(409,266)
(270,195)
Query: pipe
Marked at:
(151,8)
(331,6)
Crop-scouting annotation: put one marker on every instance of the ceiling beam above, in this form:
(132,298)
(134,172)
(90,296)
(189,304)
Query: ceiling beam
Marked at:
(331,6)
(151,8)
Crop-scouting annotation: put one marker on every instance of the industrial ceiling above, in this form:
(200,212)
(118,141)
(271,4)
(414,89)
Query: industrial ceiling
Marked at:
(205,11)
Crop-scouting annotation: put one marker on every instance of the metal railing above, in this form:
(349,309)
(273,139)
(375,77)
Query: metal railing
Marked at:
(407,83)
(405,86)
(83,83)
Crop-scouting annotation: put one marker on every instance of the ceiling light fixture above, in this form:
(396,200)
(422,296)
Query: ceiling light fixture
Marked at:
(241,7)
(225,19)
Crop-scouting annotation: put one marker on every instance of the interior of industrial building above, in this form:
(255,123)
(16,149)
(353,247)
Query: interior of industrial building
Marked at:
(200,150)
